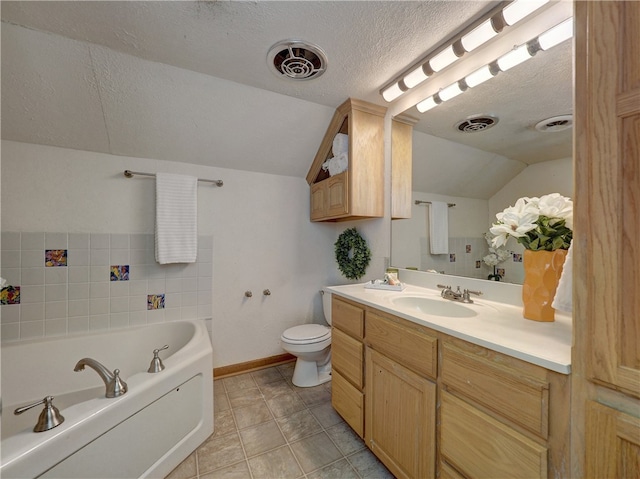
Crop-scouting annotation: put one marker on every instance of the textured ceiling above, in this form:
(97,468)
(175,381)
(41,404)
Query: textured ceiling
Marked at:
(168,80)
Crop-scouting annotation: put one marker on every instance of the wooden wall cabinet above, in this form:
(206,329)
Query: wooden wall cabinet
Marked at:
(359,191)
(401,165)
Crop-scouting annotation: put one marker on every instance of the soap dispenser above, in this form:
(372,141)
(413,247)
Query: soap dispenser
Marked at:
(156,363)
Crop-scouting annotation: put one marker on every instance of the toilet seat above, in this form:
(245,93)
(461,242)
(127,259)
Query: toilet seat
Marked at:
(306,334)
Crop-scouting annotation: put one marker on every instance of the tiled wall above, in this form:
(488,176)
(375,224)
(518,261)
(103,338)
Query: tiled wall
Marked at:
(465,259)
(65,283)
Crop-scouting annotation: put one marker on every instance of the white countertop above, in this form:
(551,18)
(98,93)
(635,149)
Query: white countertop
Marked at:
(497,326)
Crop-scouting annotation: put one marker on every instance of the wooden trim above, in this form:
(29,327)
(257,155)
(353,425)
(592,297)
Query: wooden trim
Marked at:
(254,365)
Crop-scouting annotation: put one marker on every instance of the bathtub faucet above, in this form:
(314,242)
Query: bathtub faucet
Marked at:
(115,386)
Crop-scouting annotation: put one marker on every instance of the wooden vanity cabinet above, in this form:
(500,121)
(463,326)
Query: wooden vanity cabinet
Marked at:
(401,165)
(359,191)
(501,416)
(400,400)
(347,362)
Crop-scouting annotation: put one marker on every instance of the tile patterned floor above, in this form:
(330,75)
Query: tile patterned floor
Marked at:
(267,428)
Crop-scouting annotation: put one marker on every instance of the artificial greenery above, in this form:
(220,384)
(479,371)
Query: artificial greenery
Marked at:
(352,254)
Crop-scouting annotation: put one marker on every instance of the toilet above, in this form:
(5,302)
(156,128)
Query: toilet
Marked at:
(311,344)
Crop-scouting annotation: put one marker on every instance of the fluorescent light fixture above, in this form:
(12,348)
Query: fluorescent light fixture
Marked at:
(427,104)
(516,11)
(479,35)
(392,92)
(479,76)
(415,77)
(450,92)
(556,35)
(443,59)
(514,57)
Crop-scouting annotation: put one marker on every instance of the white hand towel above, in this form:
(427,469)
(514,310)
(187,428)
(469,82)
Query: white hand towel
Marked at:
(340,144)
(338,164)
(439,227)
(176,218)
(563,301)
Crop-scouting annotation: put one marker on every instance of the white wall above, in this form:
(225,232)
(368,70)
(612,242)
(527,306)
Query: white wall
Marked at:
(555,176)
(262,236)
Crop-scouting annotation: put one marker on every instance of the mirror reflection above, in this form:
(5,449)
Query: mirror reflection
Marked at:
(504,139)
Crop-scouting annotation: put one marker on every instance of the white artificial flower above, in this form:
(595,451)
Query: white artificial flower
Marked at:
(513,224)
(555,205)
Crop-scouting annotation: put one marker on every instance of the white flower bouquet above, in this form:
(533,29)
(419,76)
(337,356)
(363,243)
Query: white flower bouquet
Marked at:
(539,224)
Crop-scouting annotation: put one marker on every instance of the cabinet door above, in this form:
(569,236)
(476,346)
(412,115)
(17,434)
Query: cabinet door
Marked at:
(613,443)
(318,207)
(479,446)
(348,402)
(400,408)
(337,195)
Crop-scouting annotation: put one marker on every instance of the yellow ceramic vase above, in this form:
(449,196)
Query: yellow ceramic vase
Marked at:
(542,270)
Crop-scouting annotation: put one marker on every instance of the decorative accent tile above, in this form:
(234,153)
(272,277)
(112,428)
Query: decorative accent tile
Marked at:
(10,295)
(155,301)
(517,258)
(452,258)
(55,257)
(468,248)
(120,272)
(500,271)
(478,264)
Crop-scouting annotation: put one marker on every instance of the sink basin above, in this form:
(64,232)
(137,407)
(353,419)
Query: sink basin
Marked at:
(434,306)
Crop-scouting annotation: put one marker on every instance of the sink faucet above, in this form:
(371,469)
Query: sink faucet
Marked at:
(462,296)
(115,386)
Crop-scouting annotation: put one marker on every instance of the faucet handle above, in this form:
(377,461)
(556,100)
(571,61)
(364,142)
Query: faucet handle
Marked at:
(50,416)
(156,363)
(116,387)
(466,298)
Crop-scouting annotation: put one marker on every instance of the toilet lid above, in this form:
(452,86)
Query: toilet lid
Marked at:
(307,333)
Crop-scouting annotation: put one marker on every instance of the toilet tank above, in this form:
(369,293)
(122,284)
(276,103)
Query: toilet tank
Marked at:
(326,305)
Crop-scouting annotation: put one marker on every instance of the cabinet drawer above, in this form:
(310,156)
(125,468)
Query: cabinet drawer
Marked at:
(515,396)
(480,446)
(347,317)
(347,356)
(348,402)
(406,344)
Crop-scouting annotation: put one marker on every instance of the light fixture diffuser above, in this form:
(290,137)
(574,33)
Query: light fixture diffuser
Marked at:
(450,92)
(426,104)
(415,77)
(514,57)
(479,76)
(479,35)
(392,92)
(443,59)
(516,11)
(556,35)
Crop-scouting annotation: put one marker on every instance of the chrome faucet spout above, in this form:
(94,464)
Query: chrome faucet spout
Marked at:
(114,385)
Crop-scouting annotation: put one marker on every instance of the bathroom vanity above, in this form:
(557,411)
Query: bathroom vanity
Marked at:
(462,390)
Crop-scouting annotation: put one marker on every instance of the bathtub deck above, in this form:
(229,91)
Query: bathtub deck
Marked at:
(265,424)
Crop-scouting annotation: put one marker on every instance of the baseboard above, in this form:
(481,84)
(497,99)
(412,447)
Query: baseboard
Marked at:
(256,364)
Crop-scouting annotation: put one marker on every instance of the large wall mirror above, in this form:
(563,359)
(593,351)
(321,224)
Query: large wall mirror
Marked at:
(482,168)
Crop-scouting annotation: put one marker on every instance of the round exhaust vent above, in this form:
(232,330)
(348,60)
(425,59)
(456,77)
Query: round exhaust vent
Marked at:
(297,60)
(556,123)
(477,123)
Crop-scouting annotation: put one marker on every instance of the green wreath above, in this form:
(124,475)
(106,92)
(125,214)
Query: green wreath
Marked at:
(352,254)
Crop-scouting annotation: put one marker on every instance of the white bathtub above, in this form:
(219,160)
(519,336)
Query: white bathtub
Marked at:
(144,433)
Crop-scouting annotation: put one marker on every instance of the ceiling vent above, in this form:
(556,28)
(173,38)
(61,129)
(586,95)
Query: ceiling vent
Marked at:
(297,60)
(476,123)
(556,123)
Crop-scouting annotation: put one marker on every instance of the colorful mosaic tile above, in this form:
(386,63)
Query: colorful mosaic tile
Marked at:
(468,248)
(478,264)
(452,258)
(500,272)
(517,258)
(120,272)
(10,295)
(55,257)
(155,301)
